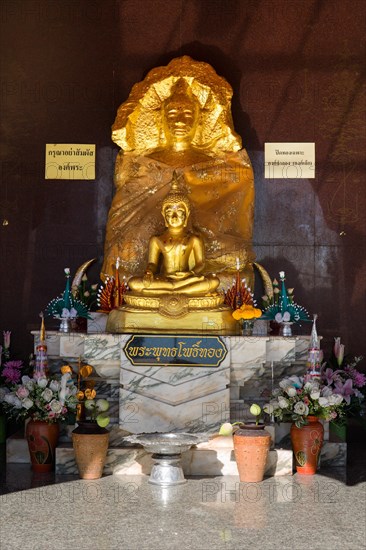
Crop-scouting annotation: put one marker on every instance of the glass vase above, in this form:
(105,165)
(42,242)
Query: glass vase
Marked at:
(247,326)
(286,329)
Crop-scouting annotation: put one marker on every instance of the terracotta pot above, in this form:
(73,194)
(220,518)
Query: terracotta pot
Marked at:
(306,443)
(90,444)
(251,446)
(42,438)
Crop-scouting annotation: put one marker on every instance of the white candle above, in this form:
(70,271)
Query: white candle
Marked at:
(237,264)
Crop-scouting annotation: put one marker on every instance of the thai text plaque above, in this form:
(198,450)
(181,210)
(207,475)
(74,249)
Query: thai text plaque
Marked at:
(289,160)
(72,161)
(175,351)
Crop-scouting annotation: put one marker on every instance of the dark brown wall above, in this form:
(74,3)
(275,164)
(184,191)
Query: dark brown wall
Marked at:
(297,69)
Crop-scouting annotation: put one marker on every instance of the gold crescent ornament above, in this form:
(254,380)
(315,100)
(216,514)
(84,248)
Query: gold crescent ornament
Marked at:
(78,276)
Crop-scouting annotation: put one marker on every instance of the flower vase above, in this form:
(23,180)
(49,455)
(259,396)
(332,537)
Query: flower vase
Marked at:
(306,443)
(42,438)
(285,328)
(65,325)
(90,443)
(251,447)
(247,327)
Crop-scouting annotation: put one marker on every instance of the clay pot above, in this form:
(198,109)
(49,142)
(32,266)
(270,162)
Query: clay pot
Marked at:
(42,438)
(90,444)
(306,443)
(251,446)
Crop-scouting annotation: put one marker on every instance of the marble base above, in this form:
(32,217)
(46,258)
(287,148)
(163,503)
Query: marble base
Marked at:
(97,323)
(144,414)
(206,459)
(199,461)
(173,398)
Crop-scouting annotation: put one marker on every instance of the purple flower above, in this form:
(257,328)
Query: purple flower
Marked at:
(14,364)
(11,374)
(359,379)
(328,375)
(345,390)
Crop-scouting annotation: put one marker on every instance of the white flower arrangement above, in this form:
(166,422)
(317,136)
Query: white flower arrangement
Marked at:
(41,399)
(297,398)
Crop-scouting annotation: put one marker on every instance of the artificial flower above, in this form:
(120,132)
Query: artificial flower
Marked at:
(246,312)
(306,398)
(341,377)
(40,399)
(338,350)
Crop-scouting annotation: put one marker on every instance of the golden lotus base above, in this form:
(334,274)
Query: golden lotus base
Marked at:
(173,313)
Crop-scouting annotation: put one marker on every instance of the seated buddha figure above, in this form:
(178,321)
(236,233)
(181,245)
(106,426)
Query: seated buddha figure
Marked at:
(176,258)
(178,119)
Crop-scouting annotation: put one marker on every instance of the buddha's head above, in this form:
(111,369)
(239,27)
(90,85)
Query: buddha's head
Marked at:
(180,113)
(176,208)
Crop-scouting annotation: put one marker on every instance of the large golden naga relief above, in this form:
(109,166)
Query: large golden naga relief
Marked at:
(176,126)
(179,119)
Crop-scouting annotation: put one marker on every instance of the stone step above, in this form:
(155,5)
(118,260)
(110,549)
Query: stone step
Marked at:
(195,462)
(206,459)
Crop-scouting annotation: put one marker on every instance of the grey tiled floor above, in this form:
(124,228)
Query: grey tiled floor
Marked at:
(295,512)
(326,511)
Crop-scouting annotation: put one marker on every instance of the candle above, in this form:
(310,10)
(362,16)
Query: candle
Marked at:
(237,264)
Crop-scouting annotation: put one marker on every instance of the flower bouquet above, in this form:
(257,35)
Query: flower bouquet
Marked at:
(42,399)
(303,402)
(10,373)
(296,399)
(339,375)
(44,402)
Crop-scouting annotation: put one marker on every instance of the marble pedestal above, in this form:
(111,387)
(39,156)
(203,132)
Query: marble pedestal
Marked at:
(194,399)
(184,398)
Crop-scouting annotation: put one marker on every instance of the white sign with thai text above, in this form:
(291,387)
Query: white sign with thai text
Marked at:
(289,160)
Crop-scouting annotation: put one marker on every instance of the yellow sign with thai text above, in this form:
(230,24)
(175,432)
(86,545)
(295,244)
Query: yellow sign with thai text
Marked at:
(70,161)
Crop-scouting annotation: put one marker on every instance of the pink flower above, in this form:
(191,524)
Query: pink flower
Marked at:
(22,392)
(338,350)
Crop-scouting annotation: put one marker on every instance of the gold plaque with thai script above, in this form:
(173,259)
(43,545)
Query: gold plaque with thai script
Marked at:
(70,161)
(174,351)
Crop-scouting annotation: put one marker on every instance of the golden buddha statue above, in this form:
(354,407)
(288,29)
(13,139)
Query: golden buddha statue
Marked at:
(179,119)
(173,285)
(180,253)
